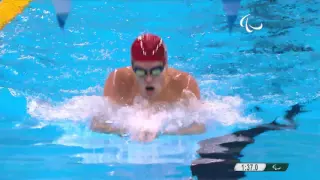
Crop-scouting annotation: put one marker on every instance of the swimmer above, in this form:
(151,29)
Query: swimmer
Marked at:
(149,77)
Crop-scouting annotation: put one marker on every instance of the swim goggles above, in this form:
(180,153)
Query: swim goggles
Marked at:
(156,71)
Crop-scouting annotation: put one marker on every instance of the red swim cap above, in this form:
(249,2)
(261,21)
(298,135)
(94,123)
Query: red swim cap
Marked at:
(148,48)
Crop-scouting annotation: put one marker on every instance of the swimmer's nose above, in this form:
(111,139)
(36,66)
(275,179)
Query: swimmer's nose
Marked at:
(148,79)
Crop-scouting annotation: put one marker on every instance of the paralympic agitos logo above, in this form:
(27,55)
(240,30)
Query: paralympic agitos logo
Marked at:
(248,27)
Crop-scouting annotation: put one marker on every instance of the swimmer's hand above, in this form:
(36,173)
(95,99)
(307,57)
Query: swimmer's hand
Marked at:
(98,126)
(150,135)
(144,136)
(195,128)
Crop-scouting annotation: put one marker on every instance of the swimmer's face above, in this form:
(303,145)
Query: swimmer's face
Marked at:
(150,77)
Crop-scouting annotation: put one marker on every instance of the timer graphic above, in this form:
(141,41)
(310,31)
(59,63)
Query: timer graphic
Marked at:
(259,167)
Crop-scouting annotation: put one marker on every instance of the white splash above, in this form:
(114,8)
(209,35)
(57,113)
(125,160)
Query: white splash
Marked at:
(223,111)
(76,109)
(226,110)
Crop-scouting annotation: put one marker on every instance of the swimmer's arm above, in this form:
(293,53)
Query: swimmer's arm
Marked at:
(195,128)
(100,127)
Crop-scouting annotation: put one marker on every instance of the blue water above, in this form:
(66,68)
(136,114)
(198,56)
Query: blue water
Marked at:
(50,80)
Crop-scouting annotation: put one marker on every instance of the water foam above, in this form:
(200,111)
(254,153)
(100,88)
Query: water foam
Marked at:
(218,110)
(77,109)
(226,110)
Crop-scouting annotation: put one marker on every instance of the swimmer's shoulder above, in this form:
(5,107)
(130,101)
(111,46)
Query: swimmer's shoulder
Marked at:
(180,77)
(122,75)
(120,79)
(184,81)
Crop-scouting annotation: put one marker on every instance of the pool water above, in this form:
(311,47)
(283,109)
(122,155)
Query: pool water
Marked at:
(51,80)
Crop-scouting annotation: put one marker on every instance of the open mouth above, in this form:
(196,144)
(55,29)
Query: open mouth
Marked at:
(149,88)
